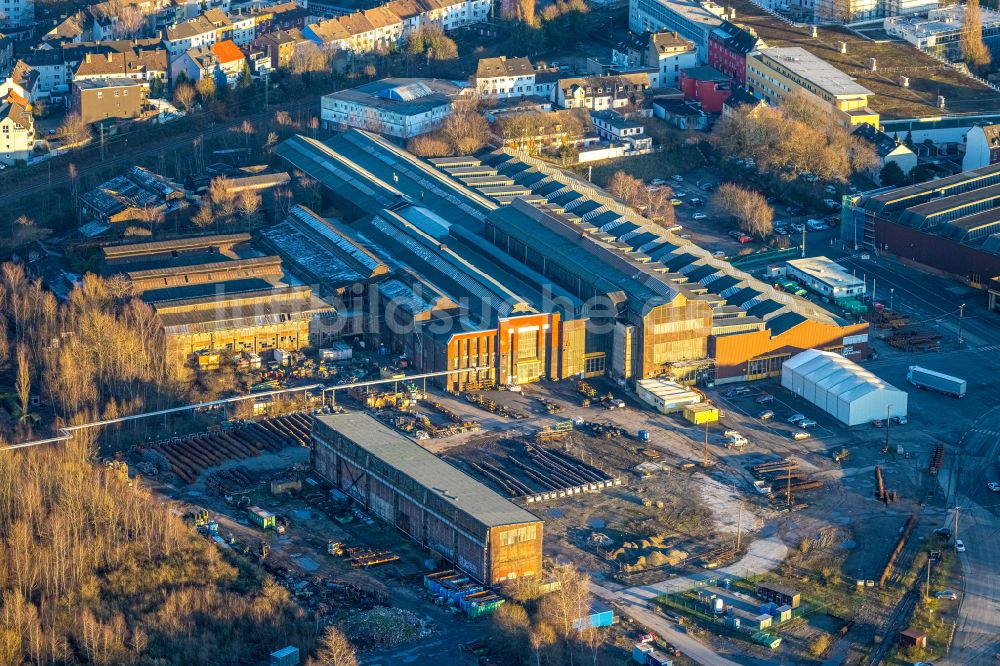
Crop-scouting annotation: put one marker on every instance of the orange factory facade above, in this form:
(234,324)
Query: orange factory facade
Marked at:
(759,354)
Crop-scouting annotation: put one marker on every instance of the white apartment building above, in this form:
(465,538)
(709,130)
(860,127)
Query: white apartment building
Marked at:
(402,108)
(16,13)
(17,129)
(505,78)
(191,34)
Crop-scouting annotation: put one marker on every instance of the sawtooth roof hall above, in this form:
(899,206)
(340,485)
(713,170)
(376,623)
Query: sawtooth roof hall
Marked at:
(530,230)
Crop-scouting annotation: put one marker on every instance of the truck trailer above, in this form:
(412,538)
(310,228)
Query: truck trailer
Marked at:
(936,381)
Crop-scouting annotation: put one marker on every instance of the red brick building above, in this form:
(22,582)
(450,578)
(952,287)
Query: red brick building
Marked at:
(707,86)
(728,47)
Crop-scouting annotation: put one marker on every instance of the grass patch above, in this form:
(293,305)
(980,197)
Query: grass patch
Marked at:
(647,167)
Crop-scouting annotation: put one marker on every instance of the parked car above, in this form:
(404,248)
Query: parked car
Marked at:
(994,486)
(676,227)
(677,178)
(959,545)
(745,239)
(946,594)
(831,203)
(700,216)
(764,398)
(943,532)
(708,187)
(735,234)
(766,415)
(795,210)
(797,228)
(900,420)
(657,181)
(680,194)
(878,423)
(780,231)
(719,254)
(806,423)
(795,418)
(685,236)
(799,435)
(676,202)
(737,392)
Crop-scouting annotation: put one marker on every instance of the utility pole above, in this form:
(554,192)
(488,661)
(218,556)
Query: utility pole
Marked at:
(739,527)
(955,532)
(927,584)
(789,474)
(961,314)
(705,460)
(892,292)
(803,241)
(101,125)
(888,411)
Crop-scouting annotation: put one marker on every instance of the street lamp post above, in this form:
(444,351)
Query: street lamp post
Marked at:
(888,411)
(961,314)
(892,292)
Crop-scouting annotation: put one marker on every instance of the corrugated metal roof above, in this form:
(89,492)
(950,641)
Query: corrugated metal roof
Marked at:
(412,460)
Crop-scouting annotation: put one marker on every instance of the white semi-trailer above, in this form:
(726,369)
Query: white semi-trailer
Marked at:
(936,381)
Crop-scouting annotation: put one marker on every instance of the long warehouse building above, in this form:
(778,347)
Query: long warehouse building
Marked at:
(612,293)
(435,504)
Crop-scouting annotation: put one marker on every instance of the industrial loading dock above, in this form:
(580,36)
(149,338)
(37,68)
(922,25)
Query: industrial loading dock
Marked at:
(842,388)
(487,536)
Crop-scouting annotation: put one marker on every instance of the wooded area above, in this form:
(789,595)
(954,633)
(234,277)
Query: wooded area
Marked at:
(97,571)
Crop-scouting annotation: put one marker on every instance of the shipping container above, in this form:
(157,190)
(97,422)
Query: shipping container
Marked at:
(600,616)
(340,351)
(260,517)
(288,656)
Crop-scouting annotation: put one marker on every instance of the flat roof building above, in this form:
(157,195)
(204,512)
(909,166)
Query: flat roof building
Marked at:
(435,504)
(775,73)
(691,19)
(940,31)
(402,108)
(826,277)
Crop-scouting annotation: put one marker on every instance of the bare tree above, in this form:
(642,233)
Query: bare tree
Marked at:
(248,203)
(974,50)
(74,129)
(429,145)
(184,95)
(222,196)
(131,21)
(751,208)
(23,384)
(569,602)
(466,130)
(625,186)
(335,649)
(203,217)
(206,88)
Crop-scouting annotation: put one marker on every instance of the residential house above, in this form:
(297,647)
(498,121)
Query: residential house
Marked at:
(238,28)
(192,34)
(17,14)
(330,34)
(74,28)
(742,101)
(103,99)
(728,48)
(52,72)
(410,12)
(453,14)
(223,61)
(17,128)
(614,127)
(670,54)
(982,147)
(279,47)
(888,149)
(775,73)
(707,86)
(282,16)
(23,80)
(598,93)
(503,77)
(143,65)
(402,108)
(258,60)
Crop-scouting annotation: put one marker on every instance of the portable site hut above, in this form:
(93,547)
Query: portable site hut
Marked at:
(260,517)
(664,396)
(701,413)
(841,387)
(600,615)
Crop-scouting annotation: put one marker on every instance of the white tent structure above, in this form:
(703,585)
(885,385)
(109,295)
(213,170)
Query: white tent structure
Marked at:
(841,387)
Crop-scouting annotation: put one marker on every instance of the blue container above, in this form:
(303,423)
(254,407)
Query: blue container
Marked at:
(288,656)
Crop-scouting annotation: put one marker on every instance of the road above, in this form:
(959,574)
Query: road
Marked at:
(977,636)
(762,556)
